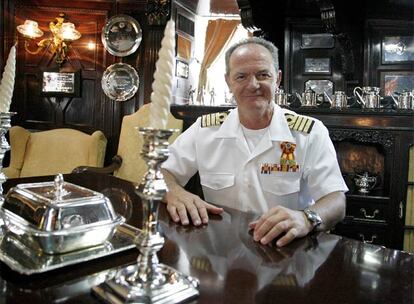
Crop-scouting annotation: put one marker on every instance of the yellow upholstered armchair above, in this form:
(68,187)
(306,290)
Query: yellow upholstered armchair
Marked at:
(53,151)
(128,164)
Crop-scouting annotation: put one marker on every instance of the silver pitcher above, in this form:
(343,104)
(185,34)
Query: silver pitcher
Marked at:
(405,100)
(281,98)
(368,97)
(339,100)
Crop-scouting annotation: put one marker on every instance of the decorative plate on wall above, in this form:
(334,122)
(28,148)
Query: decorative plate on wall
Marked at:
(120,81)
(121,35)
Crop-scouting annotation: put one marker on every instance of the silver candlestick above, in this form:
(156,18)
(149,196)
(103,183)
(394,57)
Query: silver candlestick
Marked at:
(5,119)
(149,281)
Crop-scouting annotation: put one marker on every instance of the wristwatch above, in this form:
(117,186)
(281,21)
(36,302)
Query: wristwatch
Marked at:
(313,217)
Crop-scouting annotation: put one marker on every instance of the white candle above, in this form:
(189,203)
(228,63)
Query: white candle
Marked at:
(7,81)
(163,79)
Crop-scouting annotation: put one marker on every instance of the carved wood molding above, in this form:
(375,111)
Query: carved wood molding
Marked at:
(158,12)
(385,139)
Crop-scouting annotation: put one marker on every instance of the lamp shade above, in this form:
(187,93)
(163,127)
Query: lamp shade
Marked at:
(30,29)
(68,32)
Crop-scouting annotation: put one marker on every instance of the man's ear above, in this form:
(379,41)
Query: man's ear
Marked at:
(279,78)
(226,77)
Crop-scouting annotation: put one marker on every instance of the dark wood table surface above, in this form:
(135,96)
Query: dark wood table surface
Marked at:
(231,267)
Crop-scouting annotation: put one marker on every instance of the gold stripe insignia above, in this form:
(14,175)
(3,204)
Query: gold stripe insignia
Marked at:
(213,119)
(299,123)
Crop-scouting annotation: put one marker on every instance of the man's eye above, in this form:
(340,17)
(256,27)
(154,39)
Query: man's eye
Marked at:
(264,76)
(240,77)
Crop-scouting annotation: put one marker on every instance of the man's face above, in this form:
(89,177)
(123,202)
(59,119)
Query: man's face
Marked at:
(252,77)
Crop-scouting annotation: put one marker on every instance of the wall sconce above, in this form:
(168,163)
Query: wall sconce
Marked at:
(63,34)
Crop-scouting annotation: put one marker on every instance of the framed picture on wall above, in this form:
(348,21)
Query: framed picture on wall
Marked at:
(317,41)
(317,66)
(397,81)
(60,83)
(182,69)
(397,49)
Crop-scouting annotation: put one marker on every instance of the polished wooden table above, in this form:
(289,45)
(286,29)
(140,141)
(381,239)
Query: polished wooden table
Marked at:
(231,267)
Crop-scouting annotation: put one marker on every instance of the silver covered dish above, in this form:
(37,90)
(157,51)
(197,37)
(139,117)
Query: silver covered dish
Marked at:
(58,217)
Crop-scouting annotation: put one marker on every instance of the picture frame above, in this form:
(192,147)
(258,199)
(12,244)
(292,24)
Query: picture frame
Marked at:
(314,65)
(57,83)
(396,81)
(397,49)
(182,69)
(320,85)
(317,41)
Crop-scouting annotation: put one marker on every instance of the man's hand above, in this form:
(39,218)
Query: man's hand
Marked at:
(184,203)
(278,221)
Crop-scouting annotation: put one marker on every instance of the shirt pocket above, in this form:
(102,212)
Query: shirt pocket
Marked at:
(281,183)
(217,181)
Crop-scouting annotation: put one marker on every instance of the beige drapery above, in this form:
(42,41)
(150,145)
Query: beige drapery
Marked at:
(219,32)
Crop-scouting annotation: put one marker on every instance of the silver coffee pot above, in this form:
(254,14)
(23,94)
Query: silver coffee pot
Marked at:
(368,97)
(338,100)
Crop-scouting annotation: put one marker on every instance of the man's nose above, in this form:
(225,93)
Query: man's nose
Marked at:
(253,83)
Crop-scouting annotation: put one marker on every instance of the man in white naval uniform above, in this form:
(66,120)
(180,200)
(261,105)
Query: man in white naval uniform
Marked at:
(257,158)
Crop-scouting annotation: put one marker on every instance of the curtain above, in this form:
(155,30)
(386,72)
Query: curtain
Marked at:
(219,32)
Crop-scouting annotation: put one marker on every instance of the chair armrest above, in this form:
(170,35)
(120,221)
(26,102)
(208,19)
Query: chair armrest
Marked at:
(116,163)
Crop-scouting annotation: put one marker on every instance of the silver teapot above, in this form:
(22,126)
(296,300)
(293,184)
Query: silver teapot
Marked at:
(364,182)
(308,98)
(368,97)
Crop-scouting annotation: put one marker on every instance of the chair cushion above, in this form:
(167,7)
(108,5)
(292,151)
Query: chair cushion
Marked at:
(130,144)
(58,151)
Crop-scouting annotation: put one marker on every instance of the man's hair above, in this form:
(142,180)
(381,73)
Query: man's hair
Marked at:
(254,40)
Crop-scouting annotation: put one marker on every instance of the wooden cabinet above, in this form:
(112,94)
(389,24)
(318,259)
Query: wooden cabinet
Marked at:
(373,141)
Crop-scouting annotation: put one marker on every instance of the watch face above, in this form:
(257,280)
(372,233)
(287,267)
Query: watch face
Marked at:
(313,217)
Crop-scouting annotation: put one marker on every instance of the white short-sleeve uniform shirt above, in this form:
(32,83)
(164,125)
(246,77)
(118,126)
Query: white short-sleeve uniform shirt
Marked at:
(232,175)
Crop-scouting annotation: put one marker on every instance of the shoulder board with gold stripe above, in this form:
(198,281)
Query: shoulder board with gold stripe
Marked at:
(299,123)
(213,119)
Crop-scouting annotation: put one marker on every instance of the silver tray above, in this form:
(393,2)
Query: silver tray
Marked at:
(25,260)
(121,35)
(120,81)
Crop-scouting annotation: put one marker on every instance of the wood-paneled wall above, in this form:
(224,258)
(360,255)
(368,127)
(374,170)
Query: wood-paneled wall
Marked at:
(93,110)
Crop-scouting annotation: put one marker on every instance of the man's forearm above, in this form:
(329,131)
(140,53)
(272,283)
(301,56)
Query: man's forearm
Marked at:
(331,208)
(171,181)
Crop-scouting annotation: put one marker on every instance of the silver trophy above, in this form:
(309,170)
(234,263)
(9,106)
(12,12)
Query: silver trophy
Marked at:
(5,119)
(365,183)
(149,281)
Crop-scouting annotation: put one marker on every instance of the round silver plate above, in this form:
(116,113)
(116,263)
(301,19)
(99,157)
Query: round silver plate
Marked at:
(120,81)
(121,35)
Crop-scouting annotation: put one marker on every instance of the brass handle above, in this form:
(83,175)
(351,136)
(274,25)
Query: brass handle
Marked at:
(364,212)
(373,237)
(401,209)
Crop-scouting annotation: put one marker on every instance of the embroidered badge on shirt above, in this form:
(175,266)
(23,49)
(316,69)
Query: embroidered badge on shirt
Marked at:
(287,160)
(213,119)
